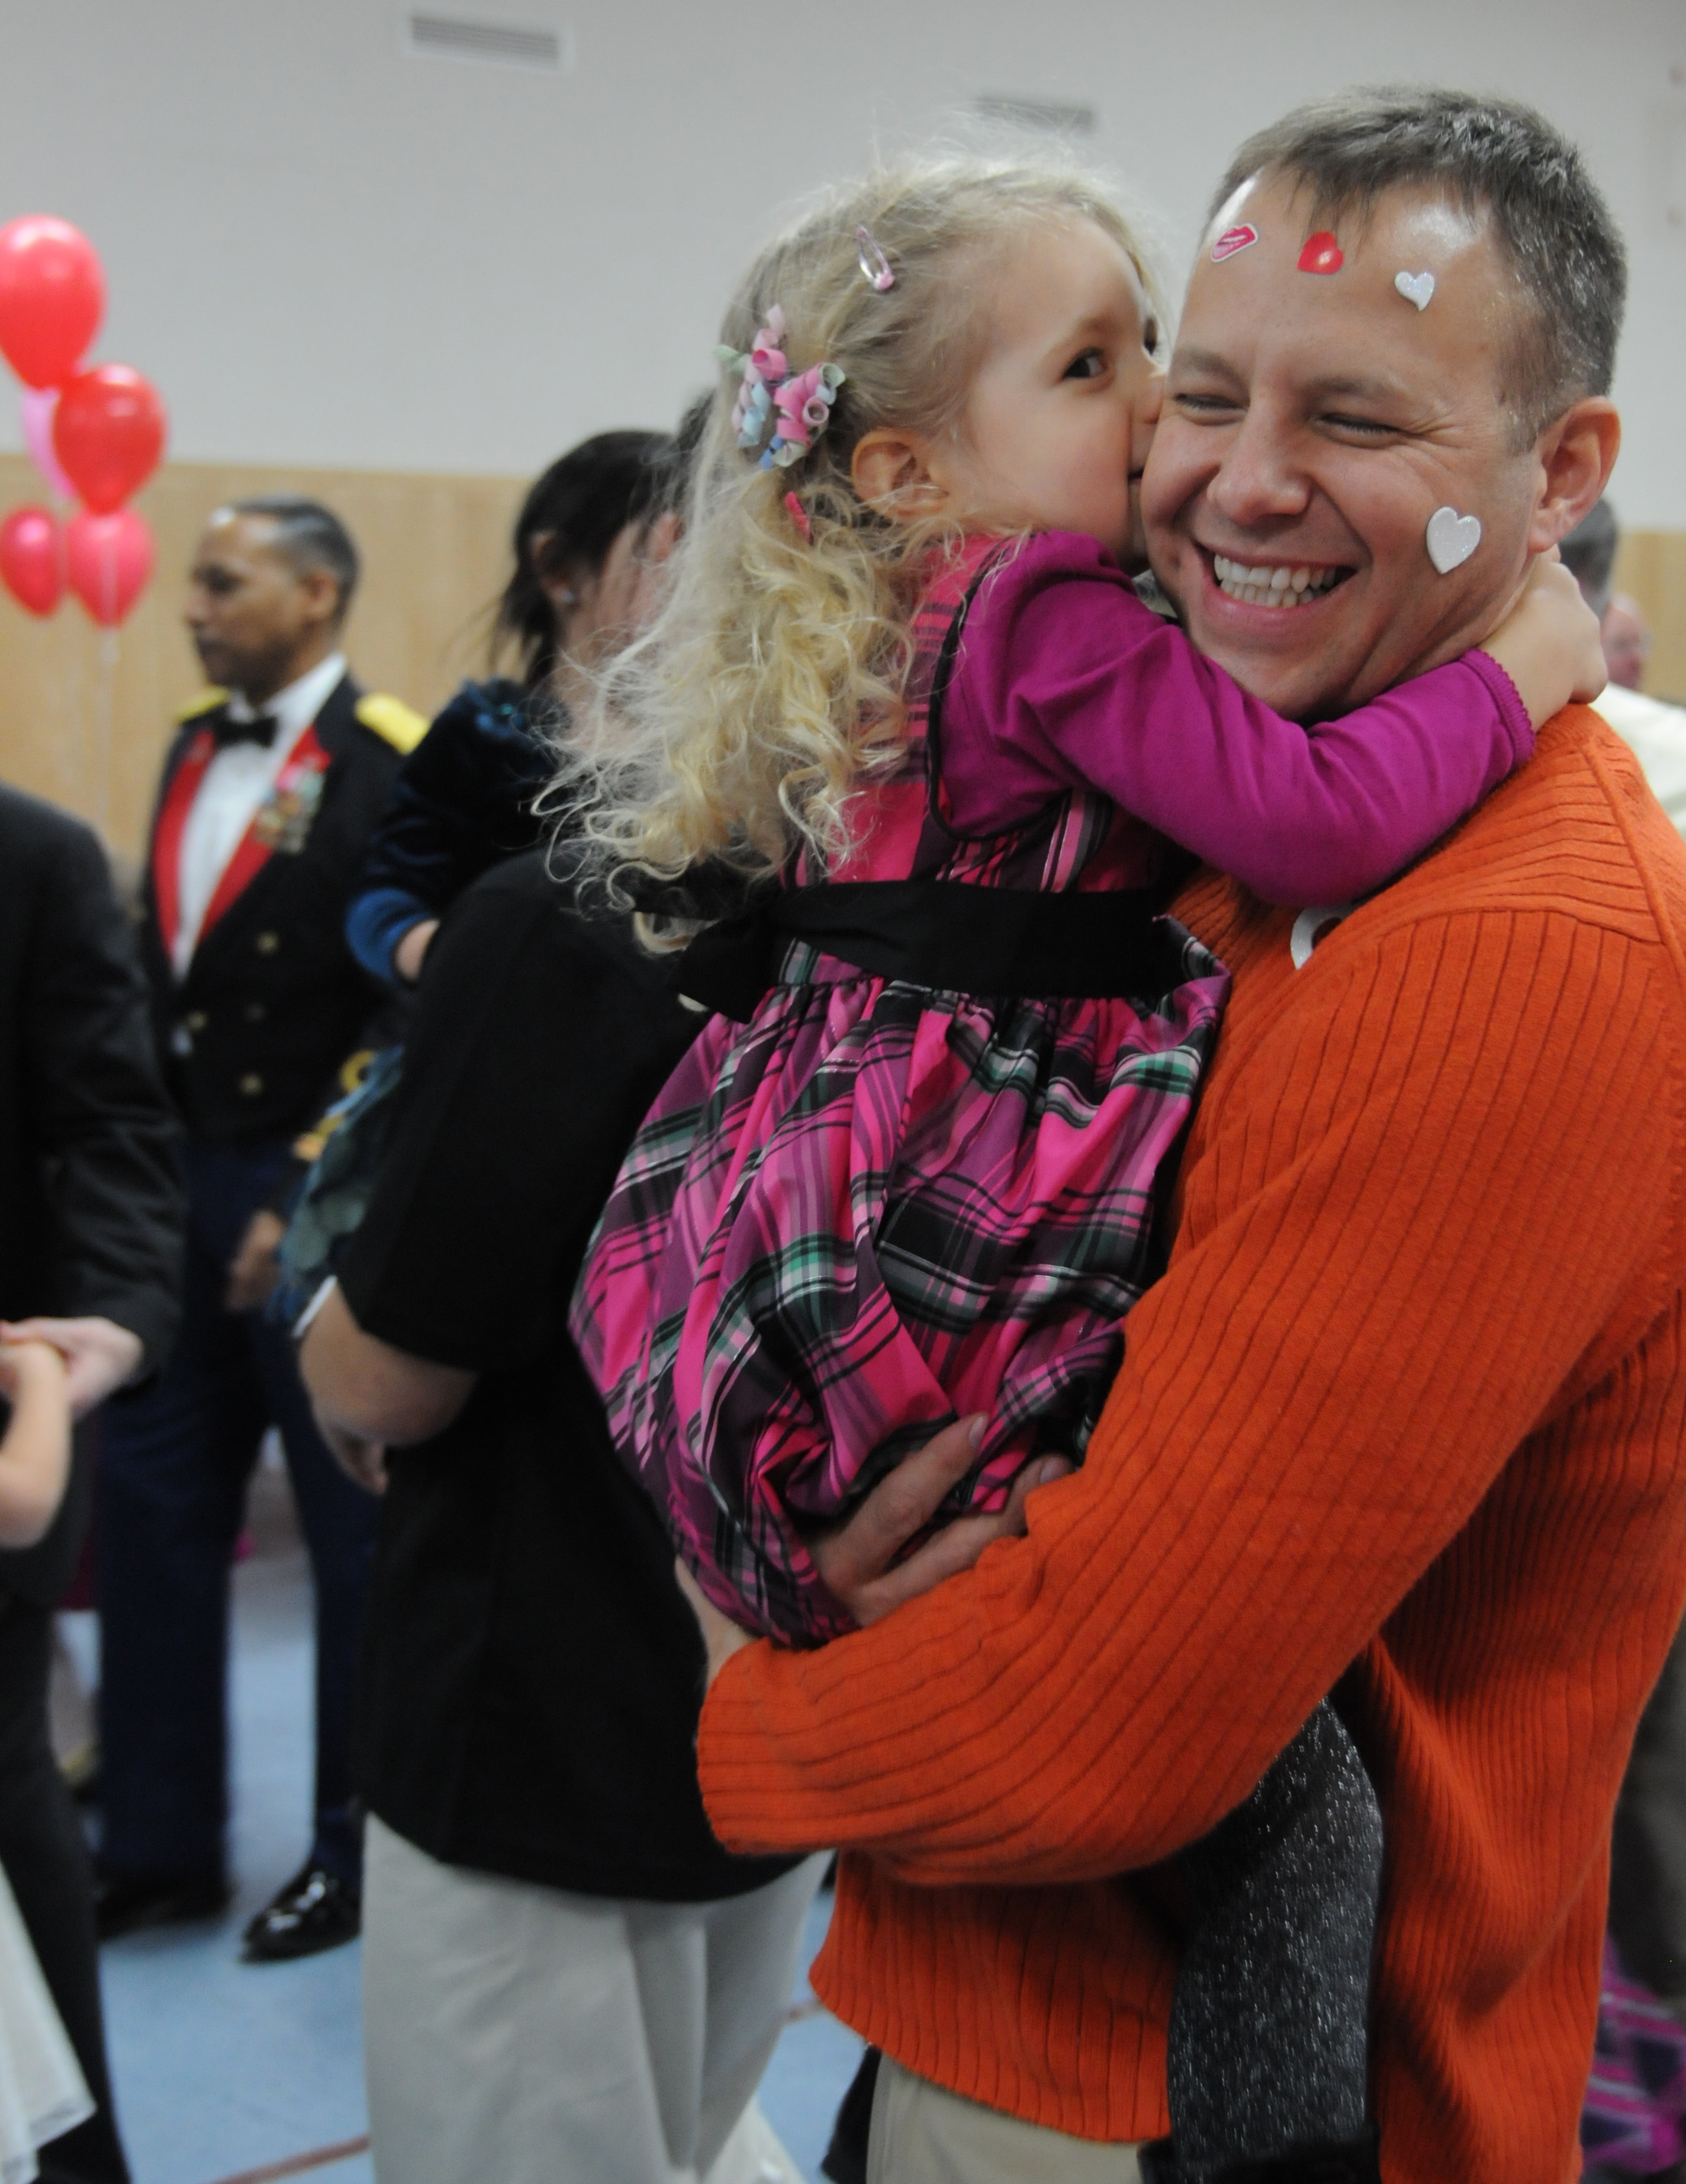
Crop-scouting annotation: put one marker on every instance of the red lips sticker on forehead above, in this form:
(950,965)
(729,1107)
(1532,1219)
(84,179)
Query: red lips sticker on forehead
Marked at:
(1321,254)
(1232,240)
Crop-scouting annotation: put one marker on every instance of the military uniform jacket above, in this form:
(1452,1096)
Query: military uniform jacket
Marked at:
(254,1038)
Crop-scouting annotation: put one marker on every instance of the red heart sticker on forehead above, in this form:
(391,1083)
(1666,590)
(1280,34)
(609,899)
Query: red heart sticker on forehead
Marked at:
(1232,240)
(1321,254)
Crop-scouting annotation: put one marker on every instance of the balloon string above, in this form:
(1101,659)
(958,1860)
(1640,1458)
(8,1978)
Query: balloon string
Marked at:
(105,712)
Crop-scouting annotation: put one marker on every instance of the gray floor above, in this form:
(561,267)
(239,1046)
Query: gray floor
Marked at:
(224,2068)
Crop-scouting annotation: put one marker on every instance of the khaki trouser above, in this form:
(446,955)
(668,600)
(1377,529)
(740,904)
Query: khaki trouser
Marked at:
(922,2135)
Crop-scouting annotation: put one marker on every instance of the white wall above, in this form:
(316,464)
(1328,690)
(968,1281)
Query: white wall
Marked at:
(328,250)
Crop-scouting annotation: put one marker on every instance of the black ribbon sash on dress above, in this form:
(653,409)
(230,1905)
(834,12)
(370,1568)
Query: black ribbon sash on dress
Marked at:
(947,934)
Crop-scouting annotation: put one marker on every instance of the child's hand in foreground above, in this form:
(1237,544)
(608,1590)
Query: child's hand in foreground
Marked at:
(35,1456)
(26,1366)
(1549,643)
(99,1356)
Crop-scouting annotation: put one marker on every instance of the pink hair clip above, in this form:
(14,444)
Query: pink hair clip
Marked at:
(798,517)
(873,262)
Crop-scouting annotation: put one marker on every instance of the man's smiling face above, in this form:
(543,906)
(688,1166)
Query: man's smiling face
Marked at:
(1314,422)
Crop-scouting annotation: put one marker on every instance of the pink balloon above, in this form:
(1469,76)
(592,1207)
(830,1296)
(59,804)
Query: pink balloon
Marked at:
(38,406)
(108,559)
(32,559)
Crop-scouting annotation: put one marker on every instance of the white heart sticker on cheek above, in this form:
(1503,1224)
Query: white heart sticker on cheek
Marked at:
(1452,538)
(1416,287)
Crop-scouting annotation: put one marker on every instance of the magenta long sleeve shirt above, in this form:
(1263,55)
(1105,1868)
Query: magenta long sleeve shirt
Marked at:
(1064,679)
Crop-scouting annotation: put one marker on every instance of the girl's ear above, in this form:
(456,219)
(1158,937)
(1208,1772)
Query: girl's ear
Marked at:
(890,474)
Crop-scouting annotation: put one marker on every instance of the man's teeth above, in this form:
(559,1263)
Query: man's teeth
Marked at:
(1272,586)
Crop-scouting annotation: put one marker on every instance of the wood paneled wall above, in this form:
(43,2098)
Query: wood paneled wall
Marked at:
(84,721)
(1651,569)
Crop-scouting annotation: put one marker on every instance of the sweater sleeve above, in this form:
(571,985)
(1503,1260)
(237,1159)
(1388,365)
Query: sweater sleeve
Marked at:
(1067,680)
(1397,1254)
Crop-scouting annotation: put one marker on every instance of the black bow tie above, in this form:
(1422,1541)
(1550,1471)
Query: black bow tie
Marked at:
(260,730)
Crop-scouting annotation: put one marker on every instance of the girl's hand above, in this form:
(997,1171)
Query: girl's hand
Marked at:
(35,1456)
(1549,643)
(99,1356)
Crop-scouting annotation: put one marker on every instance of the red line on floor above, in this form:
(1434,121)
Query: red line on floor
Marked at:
(297,2163)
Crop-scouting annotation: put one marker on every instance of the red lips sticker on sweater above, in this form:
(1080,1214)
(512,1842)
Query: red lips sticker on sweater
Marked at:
(1321,254)
(1232,240)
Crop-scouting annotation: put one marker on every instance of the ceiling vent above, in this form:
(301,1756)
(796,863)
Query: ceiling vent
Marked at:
(465,38)
(1053,116)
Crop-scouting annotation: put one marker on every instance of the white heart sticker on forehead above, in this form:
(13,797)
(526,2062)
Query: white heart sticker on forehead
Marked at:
(1452,538)
(1416,287)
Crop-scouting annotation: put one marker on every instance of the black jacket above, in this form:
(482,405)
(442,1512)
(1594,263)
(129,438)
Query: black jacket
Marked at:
(253,1039)
(90,1215)
(462,803)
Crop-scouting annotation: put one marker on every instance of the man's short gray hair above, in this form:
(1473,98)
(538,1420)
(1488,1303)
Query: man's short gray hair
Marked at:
(1484,155)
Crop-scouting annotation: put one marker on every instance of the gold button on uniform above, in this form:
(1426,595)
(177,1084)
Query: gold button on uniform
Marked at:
(197,1020)
(268,943)
(251,1085)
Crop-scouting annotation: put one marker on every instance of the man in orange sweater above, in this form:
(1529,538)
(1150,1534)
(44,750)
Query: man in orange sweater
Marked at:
(1406,1417)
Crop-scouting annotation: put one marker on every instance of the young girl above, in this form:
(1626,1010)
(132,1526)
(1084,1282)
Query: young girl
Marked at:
(902,679)
(42,2093)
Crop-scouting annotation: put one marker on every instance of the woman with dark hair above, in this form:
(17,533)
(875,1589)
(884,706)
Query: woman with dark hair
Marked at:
(464,801)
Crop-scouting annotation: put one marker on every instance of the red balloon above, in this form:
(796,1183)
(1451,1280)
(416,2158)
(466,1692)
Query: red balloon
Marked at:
(108,559)
(108,433)
(32,559)
(52,298)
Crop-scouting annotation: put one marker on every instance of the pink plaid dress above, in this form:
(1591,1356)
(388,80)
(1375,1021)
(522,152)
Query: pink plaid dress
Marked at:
(875,1207)
(880,1205)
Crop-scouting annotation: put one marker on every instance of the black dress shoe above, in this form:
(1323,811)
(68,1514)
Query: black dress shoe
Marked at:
(316,1910)
(124,1902)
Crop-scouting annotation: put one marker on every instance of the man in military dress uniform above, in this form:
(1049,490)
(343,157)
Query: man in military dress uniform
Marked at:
(268,794)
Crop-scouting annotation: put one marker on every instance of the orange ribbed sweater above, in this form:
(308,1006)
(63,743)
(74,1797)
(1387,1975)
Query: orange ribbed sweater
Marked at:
(1411,1396)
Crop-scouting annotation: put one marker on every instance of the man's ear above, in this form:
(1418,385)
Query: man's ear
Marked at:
(322,595)
(890,474)
(1576,454)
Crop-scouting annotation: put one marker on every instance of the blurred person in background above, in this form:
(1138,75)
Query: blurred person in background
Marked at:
(1627,642)
(1653,731)
(269,792)
(564,1974)
(464,799)
(90,1222)
(590,533)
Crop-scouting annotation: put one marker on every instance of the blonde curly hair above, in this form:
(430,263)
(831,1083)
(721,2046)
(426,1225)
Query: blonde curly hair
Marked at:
(768,688)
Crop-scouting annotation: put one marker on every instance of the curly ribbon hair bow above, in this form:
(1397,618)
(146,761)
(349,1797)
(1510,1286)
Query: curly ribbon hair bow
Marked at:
(797,404)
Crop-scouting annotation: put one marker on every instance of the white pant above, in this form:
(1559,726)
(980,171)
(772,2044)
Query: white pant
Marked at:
(514,2034)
